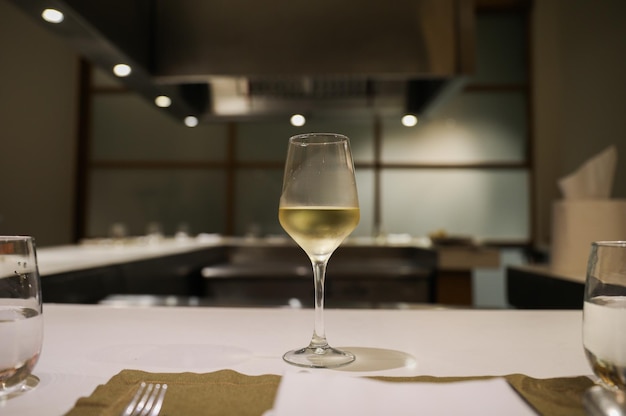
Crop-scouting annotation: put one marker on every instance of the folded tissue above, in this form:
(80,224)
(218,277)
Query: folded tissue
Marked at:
(594,179)
(587,213)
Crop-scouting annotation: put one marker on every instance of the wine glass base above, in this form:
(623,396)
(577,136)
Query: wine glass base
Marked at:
(29,384)
(319,357)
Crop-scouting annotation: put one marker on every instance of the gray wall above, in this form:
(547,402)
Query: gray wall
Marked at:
(578,70)
(38,91)
(580,88)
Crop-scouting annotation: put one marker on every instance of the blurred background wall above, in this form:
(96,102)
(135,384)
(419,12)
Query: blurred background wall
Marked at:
(576,96)
(578,93)
(38,119)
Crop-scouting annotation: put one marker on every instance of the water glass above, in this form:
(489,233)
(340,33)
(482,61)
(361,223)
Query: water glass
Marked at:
(604,315)
(21,322)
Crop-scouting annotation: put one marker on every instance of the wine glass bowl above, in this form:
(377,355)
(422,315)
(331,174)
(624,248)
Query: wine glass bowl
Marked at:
(21,322)
(319,208)
(604,315)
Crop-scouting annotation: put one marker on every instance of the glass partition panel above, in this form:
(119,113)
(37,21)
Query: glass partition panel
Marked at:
(173,199)
(485,204)
(257,192)
(474,127)
(359,130)
(264,141)
(365,188)
(121,132)
(267,140)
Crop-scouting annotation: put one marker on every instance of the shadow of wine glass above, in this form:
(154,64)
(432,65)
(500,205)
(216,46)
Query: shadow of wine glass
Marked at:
(377,359)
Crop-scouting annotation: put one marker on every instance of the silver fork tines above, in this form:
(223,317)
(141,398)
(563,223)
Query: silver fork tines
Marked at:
(147,401)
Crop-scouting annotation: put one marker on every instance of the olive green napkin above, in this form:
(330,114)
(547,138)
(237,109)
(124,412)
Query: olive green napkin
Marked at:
(548,396)
(224,392)
(227,392)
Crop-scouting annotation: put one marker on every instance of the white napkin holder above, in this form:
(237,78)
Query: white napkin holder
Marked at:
(578,223)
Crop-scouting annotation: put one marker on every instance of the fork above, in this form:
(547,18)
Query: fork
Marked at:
(147,401)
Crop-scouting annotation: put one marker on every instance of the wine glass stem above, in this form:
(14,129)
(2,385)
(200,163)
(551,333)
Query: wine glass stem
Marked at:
(319,275)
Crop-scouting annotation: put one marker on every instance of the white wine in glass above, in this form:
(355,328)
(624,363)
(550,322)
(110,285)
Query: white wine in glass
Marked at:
(319,208)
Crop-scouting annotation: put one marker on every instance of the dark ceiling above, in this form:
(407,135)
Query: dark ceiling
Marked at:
(224,59)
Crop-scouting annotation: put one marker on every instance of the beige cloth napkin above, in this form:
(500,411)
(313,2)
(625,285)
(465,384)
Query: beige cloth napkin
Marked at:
(227,392)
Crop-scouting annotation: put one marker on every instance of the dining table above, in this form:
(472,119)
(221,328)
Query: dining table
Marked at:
(87,346)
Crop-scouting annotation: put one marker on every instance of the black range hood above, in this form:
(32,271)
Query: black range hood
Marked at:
(237,59)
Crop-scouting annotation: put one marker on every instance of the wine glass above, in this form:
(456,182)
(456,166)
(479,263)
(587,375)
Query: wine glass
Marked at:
(604,316)
(21,322)
(319,208)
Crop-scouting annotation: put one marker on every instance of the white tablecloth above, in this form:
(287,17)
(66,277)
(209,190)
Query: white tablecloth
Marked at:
(86,345)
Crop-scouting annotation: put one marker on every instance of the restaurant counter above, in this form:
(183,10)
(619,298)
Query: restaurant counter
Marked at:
(362,269)
(541,286)
(85,345)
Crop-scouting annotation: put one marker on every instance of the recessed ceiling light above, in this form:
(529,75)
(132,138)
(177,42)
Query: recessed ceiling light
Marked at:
(122,70)
(297,120)
(52,16)
(409,120)
(191,121)
(163,101)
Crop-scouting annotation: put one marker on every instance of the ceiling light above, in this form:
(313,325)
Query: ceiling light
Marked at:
(52,16)
(297,120)
(163,101)
(191,121)
(121,70)
(409,120)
